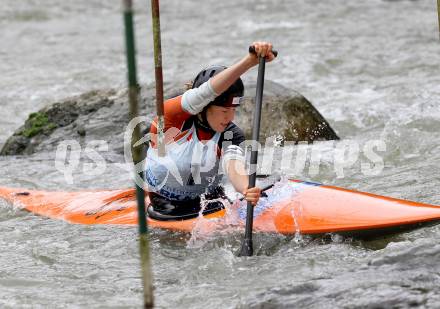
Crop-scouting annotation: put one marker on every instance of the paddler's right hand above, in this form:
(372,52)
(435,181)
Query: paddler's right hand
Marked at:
(252,195)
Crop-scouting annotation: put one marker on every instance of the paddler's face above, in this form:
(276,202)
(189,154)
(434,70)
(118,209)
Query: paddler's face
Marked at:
(219,117)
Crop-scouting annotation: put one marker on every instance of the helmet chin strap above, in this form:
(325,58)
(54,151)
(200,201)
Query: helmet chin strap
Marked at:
(202,122)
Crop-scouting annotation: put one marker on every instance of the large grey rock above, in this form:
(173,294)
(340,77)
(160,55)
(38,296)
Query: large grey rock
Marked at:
(103,115)
(285,114)
(54,123)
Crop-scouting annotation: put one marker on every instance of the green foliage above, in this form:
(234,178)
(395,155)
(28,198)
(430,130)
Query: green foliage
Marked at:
(37,123)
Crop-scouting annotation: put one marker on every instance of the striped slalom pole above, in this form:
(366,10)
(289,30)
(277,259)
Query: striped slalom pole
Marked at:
(159,76)
(438,14)
(133,92)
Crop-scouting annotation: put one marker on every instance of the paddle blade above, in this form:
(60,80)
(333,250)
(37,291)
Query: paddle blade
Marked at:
(246,248)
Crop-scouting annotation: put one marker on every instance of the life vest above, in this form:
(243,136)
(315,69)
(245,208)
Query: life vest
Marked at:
(187,170)
(191,165)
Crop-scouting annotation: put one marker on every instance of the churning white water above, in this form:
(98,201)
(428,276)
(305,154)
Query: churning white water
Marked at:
(372,68)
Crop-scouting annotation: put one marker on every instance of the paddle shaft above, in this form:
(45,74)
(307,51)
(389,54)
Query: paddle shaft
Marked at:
(133,91)
(247,245)
(159,77)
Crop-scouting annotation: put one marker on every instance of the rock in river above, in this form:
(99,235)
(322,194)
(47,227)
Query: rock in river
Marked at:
(103,115)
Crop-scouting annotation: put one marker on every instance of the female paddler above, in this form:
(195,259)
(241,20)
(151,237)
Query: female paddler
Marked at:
(202,143)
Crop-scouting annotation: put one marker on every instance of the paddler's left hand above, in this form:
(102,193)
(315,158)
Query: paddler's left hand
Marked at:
(252,195)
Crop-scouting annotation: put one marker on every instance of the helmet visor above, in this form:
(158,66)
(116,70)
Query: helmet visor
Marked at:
(230,101)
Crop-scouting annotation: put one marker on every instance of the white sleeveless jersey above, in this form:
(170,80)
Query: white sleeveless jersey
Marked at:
(189,168)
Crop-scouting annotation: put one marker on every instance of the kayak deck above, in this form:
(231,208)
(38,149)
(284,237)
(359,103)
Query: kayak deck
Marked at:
(290,207)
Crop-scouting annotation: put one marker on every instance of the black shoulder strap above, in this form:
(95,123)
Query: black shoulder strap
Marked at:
(237,135)
(188,123)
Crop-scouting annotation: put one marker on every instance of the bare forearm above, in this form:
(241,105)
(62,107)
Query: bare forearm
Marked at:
(226,78)
(222,81)
(240,181)
(237,175)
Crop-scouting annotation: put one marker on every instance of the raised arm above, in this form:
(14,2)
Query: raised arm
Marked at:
(226,78)
(194,100)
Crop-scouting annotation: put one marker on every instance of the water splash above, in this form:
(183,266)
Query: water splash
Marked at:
(205,229)
(296,211)
(287,190)
(197,232)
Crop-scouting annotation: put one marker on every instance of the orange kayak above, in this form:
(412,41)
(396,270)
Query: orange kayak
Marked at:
(293,206)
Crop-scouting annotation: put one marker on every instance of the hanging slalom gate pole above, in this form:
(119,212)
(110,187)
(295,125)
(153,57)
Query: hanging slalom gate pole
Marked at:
(159,77)
(133,92)
(438,14)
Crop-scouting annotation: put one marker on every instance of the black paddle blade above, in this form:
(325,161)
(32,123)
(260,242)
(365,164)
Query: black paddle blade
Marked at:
(246,248)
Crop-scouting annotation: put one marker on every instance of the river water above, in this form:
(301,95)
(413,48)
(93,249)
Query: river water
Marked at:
(371,68)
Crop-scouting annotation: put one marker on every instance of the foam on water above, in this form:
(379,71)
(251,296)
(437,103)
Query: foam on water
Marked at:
(207,229)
